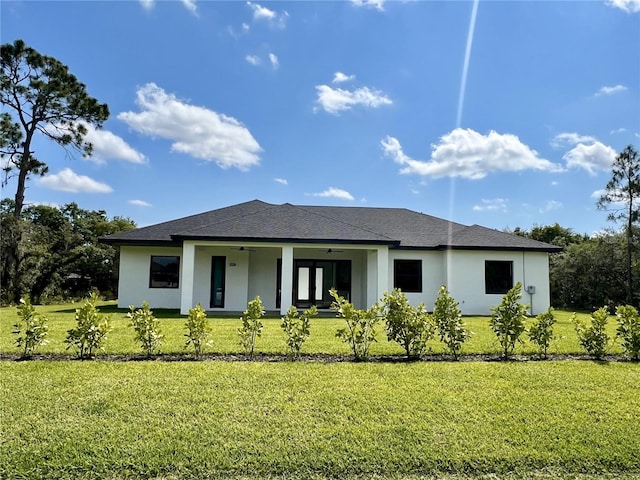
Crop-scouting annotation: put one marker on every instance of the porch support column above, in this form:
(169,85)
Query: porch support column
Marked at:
(187,263)
(377,274)
(372,277)
(383,271)
(286,284)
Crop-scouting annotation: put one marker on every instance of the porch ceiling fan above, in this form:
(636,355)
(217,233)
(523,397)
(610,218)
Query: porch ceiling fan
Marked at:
(243,249)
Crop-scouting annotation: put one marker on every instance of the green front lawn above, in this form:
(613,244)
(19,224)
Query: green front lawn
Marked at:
(279,420)
(175,420)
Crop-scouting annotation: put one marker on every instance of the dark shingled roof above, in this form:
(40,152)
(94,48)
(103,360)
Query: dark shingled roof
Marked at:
(260,221)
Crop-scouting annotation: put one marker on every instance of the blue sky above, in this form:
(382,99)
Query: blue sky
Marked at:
(502,114)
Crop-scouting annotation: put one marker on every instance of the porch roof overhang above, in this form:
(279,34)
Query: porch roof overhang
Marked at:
(285,240)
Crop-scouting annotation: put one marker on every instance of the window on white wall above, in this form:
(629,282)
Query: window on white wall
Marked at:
(407,275)
(165,271)
(498,276)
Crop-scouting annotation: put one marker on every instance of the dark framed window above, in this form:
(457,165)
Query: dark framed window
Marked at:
(407,275)
(165,271)
(218,269)
(498,276)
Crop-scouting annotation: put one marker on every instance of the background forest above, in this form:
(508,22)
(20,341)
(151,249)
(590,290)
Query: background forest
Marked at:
(591,270)
(59,255)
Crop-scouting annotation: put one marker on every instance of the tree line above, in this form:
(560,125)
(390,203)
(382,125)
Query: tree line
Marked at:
(58,255)
(591,271)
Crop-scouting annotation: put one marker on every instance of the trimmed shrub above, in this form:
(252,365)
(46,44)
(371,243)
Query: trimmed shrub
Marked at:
(594,338)
(448,320)
(406,325)
(251,325)
(92,329)
(198,330)
(31,329)
(297,328)
(629,330)
(147,328)
(508,320)
(360,331)
(541,332)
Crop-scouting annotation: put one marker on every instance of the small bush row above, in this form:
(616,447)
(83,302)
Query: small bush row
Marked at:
(409,326)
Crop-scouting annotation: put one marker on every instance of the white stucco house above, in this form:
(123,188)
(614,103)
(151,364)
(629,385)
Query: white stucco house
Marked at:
(292,255)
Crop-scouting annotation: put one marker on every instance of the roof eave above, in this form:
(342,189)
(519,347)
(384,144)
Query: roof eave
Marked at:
(117,242)
(550,249)
(182,238)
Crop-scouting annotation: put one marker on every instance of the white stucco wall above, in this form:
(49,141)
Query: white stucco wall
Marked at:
(263,276)
(254,273)
(466,280)
(432,274)
(236,277)
(133,278)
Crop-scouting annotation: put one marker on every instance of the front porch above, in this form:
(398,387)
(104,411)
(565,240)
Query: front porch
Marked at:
(223,277)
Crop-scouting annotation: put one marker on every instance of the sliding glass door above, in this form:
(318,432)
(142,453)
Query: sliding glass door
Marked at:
(312,280)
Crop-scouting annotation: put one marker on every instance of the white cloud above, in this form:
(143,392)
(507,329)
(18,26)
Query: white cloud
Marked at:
(260,12)
(195,131)
(569,139)
(283,181)
(274,61)
(107,145)
(468,154)
(69,181)
(335,193)
(340,77)
(273,18)
(493,205)
(147,4)
(335,100)
(618,130)
(596,156)
(244,28)
(191,6)
(253,60)
(551,205)
(629,6)
(139,203)
(375,4)
(610,90)
(188,4)
(256,61)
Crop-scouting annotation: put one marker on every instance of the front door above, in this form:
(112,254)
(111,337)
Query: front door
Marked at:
(217,282)
(312,280)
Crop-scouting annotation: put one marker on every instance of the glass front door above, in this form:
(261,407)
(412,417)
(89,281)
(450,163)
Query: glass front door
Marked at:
(312,280)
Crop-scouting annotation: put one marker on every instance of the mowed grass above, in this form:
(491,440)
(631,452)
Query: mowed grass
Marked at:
(224,336)
(279,420)
(556,419)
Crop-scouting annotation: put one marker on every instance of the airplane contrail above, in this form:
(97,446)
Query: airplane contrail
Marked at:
(467,56)
(463,87)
